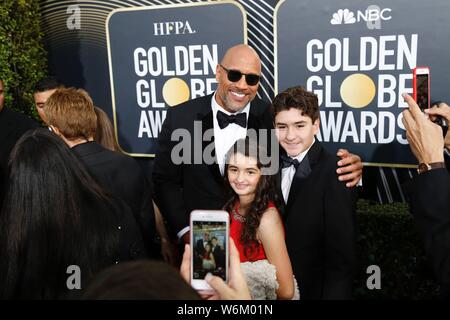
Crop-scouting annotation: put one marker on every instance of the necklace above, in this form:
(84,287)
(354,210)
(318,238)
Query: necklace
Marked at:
(237,216)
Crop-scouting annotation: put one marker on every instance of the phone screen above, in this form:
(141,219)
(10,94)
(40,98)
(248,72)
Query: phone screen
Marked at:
(422,91)
(209,249)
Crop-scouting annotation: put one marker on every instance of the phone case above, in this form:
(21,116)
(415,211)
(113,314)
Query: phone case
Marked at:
(415,82)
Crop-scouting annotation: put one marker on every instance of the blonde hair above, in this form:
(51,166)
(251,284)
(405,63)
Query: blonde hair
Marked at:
(71,110)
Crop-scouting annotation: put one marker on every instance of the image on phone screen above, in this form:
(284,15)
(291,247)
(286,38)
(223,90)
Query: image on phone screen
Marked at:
(209,249)
(422,91)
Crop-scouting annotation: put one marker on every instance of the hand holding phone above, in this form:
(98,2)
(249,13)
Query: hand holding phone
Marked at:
(209,246)
(421,94)
(235,289)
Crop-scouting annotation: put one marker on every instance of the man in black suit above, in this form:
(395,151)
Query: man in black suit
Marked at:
(192,178)
(319,209)
(218,253)
(12,126)
(70,114)
(430,189)
(201,243)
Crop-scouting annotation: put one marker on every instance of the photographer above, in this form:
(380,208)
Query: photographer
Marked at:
(430,192)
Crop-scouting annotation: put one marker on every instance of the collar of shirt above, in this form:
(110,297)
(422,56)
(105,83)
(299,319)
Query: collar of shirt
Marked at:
(287,174)
(226,137)
(302,155)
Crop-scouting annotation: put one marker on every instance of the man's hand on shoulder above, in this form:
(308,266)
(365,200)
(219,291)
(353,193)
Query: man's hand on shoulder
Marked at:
(350,168)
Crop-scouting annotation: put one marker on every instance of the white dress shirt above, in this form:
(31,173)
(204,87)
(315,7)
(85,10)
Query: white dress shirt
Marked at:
(223,138)
(226,137)
(287,174)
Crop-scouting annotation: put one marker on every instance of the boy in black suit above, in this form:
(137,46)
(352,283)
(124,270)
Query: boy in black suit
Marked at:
(70,114)
(319,211)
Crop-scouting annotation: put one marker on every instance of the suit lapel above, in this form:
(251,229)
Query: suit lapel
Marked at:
(253,122)
(302,173)
(207,124)
(279,192)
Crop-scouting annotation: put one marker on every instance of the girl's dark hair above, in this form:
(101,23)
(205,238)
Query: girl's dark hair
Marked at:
(265,192)
(137,280)
(54,215)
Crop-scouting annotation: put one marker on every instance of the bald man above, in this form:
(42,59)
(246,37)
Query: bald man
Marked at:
(194,182)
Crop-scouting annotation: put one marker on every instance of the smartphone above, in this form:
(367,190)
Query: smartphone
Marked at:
(210,232)
(421,87)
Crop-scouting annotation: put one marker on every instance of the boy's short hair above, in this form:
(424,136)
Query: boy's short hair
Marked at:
(48,83)
(72,112)
(297,98)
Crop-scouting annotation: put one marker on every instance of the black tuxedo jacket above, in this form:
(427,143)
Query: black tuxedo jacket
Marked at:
(183,187)
(320,228)
(12,126)
(200,247)
(219,256)
(430,205)
(122,177)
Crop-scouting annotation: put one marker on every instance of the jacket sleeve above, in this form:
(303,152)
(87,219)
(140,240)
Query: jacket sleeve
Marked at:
(340,238)
(147,221)
(168,180)
(430,205)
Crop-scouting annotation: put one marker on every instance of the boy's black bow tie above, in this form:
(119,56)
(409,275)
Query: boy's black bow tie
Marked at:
(286,162)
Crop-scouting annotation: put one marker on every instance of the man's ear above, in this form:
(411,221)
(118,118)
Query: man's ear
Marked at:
(217,72)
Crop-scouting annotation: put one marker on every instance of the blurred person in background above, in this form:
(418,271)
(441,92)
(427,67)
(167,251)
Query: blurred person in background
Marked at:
(13,125)
(55,215)
(70,114)
(42,91)
(430,189)
(105,136)
(140,280)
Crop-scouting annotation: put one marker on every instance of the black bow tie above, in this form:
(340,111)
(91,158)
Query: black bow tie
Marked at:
(224,120)
(286,162)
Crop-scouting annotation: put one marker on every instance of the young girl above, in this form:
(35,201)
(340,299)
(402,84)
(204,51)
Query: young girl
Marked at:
(208,259)
(256,225)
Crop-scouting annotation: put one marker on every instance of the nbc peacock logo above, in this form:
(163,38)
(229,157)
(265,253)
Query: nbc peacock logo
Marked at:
(343,16)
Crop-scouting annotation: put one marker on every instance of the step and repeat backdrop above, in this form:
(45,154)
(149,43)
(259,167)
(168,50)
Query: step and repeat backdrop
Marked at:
(162,56)
(139,58)
(358,59)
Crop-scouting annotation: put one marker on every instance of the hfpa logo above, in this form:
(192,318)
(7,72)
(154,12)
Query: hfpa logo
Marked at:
(169,28)
(373,16)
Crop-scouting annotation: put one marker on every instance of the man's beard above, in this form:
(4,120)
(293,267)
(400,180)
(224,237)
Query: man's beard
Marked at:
(229,105)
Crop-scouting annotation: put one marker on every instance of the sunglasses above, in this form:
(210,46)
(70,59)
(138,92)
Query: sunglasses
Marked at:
(236,75)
